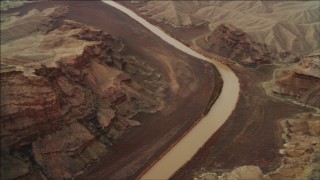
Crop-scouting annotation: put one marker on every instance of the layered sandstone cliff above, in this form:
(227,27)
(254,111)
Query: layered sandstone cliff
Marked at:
(67,93)
(299,82)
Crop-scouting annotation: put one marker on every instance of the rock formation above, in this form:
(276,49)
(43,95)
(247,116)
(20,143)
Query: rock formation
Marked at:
(67,93)
(299,82)
(301,148)
(230,42)
(243,172)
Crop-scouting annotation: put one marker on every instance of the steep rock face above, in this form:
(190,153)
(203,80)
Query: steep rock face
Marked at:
(232,43)
(67,151)
(29,106)
(67,93)
(299,82)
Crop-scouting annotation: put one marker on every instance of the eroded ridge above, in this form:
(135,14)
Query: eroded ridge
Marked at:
(67,93)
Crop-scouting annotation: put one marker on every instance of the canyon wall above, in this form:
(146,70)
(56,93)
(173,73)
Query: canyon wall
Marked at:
(67,94)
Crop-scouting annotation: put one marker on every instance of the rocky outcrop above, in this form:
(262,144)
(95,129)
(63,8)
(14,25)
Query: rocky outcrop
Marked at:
(29,106)
(230,42)
(300,149)
(299,82)
(21,168)
(243,172)
(67,151)
(67,94)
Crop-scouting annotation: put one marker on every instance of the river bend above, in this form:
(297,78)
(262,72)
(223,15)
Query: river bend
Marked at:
(184,150)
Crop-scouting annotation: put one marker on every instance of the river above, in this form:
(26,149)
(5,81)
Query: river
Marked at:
(184,150)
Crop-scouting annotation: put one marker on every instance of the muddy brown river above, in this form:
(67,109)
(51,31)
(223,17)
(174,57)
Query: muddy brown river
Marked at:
(184,150)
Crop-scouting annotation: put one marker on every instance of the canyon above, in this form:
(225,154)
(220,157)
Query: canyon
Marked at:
(194,138)
(75,98)
(67,94)
(101,96)
(274,49)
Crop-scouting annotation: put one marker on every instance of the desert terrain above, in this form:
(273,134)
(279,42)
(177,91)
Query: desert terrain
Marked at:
(252,32)
(89,93)
(92,96)
(273,47)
